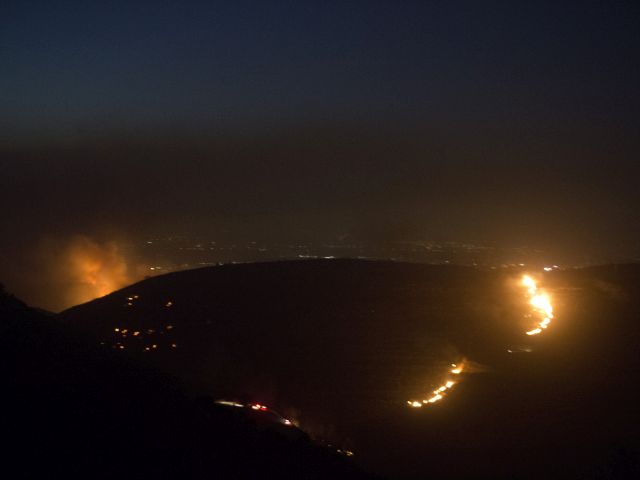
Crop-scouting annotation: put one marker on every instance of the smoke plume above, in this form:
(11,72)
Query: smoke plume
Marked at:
(66,272)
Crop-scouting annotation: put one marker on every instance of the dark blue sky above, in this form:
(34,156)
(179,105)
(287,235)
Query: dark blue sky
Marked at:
(73,67)
(509,122)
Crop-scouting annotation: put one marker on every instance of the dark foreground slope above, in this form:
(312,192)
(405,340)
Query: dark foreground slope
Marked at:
(342,345)
(70,409)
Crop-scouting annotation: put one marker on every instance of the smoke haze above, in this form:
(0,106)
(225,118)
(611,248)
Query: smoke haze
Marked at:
(75,270)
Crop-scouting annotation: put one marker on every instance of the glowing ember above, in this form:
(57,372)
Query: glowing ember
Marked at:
(440,392)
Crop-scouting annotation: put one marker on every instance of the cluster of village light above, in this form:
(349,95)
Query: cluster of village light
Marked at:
(133,298)
(542,311)
(123,333)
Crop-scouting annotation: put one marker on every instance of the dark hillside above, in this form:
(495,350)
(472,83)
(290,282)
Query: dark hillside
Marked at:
(308,335)
(342,345)
(71,409)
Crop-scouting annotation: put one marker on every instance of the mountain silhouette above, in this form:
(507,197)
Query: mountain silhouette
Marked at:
(72,409)
(341,345)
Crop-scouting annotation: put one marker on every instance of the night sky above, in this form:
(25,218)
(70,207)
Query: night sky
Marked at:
(514,123)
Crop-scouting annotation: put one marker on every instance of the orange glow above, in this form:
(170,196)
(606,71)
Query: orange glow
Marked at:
(530,283)
(95,269)
(79,269)
(540,303)
(443,390)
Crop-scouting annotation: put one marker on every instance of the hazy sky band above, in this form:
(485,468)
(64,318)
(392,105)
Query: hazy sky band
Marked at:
(76,67)
(508,123)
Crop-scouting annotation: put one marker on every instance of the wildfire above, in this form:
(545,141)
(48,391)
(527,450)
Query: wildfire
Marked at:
(457,369)
(540,303)
(84,269)
(440,392)
(542,315)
